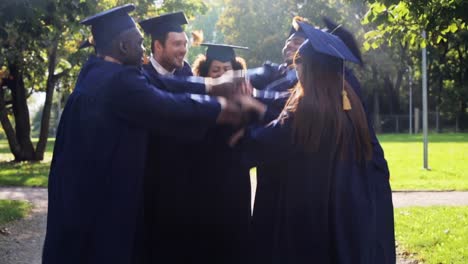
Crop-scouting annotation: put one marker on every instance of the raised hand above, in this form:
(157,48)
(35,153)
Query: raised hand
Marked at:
(229,84)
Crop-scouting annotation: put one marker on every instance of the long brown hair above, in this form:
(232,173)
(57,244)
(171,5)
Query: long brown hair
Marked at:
(317,106)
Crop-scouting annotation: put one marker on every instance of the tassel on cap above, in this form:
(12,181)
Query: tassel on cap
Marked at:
(197,37)
(91,41)
(146,59)
(346,102)
(297,19)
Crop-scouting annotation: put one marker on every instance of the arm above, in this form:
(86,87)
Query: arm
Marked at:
(267,144)
(136,101)
(262,76)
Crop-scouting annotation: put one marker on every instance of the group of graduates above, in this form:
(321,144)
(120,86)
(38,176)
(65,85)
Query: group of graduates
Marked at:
(151,163)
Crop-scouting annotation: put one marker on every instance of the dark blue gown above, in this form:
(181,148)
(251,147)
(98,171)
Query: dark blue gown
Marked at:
(272,77)
(268,184)
(96,178)
(169,192)
(200,201)
(324,211)
(380,173)
(222,202)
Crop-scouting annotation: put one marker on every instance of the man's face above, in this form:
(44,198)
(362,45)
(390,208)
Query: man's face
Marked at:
(171,55)
(134,48)
(290,47)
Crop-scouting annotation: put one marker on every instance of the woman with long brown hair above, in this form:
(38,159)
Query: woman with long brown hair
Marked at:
(325,213)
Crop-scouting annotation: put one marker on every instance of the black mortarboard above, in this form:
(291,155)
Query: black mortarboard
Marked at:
(221,52)
(105,26)
(163,24)
(346,36)
(324,43)
(327,49)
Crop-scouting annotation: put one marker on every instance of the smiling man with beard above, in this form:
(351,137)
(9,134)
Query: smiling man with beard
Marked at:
(168,45)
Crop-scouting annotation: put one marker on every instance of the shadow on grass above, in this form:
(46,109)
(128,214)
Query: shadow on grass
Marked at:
(34,174)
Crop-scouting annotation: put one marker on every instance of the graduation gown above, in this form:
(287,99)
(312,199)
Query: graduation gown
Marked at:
(167,183)
(96,177)
(268,184)
(222,201)
(380,173)
(325,211)
(270,77)
(201,198)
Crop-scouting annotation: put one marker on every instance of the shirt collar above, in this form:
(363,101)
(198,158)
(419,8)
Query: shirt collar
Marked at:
(160,69)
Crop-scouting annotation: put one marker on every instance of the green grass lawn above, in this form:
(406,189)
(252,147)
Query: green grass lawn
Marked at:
(437,234)
(448,161)
(24,173)
(11,210)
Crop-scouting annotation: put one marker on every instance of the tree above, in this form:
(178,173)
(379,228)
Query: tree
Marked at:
(260,25)
(38,51)
(400,23)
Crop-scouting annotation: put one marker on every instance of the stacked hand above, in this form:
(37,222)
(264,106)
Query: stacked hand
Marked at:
(229,84)
(240,110)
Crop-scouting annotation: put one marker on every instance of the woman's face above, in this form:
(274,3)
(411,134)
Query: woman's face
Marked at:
(217,68)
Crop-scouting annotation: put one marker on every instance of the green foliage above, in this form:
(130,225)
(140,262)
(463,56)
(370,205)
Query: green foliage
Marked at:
(264,25)
(32,26)
(395,28)
(247,23)
(11,210)
(40,40)
(434,234)
(207,24)
(447,160)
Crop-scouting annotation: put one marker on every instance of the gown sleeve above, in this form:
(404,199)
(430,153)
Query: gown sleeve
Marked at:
(266,144)
(138,102)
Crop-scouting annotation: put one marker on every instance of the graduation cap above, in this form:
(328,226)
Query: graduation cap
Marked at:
(327,49)
(346,36)
(160,25)
(105,26)
(221,52)
(324,43)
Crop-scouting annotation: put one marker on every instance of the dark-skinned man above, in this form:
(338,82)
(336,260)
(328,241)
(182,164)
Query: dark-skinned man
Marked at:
(95,204)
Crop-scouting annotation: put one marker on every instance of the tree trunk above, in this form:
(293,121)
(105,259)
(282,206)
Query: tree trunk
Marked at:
(21,114)
(7,127)
(397,90)
(45,121)
(377,124)
(388,85)
(376,103)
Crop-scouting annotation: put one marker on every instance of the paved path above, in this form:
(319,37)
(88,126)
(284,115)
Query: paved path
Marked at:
(404,199)
(24,239)
(23,242)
